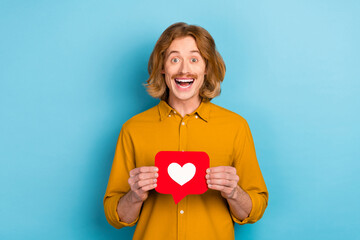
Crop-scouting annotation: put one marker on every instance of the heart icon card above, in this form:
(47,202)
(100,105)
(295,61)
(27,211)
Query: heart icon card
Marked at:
(181,173)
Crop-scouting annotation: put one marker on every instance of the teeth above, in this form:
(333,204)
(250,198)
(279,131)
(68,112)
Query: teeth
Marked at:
(184,80)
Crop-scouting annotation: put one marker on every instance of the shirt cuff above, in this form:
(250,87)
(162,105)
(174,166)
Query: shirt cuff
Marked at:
(255,213)
(110,206)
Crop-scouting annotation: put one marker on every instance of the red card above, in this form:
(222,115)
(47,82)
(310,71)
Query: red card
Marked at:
(181,173)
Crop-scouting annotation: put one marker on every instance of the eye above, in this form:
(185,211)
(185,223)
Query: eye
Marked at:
(175,60)
(193,60)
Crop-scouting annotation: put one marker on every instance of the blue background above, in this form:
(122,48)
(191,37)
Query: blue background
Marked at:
(72,74)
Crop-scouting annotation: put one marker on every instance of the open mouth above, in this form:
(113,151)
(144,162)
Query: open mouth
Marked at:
(184,82)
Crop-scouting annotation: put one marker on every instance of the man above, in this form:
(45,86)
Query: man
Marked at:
(185,73)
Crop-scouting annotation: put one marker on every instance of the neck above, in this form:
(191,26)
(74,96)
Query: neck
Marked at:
(186,106)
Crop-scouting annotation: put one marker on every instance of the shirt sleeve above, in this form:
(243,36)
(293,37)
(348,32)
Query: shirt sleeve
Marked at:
(251,179)
(118,181)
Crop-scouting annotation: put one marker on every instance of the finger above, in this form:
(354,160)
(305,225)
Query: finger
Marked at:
(226,190)
(222,182)
(222,175)
(142,190)
(142,193)
(144,176)
(148,169)
(149,187)
(139,177)
(136,171)
(228,169)
(143,183)
(131,181)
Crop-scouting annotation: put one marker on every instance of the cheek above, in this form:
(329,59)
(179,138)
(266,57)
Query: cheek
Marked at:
(168,80)
(201,70)
(200,83)
(166,73)
(169,67)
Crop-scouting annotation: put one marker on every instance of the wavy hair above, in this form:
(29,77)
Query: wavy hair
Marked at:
(215,66)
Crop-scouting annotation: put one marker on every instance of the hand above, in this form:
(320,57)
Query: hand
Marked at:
(141,181)
(223,179)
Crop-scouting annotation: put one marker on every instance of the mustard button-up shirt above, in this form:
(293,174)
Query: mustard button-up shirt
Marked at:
(223,135)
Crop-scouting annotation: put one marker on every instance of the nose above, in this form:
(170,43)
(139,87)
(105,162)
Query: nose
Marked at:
(184,67)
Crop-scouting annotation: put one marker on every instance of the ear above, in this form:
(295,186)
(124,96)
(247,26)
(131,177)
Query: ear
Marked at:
(162,71)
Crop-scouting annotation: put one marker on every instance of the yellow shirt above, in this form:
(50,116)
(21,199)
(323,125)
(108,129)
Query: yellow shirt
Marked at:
(223,135)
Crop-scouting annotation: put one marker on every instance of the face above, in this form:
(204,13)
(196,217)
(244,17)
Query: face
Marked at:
(184,70)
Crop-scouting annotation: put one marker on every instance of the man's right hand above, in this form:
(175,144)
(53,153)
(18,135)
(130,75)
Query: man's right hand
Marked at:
(141,181)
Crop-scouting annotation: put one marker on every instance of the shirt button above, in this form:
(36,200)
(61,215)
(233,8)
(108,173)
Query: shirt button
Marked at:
(175,112)
(196,116)
(183,123)
(169,115)
(182,211)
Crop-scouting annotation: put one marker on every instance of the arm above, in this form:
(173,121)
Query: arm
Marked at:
(128,186)
(242,184)
(240,204)
(141,181)
(225,180)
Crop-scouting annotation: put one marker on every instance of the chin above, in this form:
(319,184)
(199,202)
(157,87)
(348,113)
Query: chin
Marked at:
(184,96)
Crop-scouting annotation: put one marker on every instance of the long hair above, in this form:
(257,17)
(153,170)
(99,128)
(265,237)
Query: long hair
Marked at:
(215,66)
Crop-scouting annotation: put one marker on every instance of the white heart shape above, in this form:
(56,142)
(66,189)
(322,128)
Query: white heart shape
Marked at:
(183,174)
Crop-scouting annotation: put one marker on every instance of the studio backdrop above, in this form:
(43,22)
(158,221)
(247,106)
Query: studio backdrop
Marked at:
(72,72)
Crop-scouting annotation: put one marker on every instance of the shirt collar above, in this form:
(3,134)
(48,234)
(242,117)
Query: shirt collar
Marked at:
(164,109)
(202,111)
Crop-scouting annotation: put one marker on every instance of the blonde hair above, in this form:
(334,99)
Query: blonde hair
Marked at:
(215,66)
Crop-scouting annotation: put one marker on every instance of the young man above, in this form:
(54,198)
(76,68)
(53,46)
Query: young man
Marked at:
(185,73)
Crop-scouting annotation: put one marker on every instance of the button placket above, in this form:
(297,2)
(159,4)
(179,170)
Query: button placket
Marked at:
(181,219)
(183,134)
(181,206)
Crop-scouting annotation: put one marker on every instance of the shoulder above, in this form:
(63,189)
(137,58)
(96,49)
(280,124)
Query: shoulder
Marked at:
(149,116)
(229,120)
(217,112)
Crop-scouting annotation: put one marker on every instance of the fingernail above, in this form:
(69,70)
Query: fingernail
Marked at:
(156,174)
(155,185)
(207,170)
(207,176)
(156,169)
(155,180)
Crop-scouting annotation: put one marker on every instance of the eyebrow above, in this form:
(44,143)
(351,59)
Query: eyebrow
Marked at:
(193,51)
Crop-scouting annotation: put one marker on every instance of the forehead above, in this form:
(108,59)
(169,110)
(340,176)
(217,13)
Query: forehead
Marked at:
(183,45)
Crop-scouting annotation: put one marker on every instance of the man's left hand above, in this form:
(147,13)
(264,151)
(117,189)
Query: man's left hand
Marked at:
(223,179)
